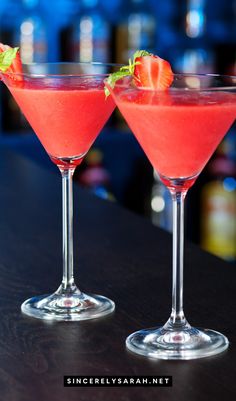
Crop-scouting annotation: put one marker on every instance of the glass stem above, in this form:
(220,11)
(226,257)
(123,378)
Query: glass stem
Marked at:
(177,318)
(68,284)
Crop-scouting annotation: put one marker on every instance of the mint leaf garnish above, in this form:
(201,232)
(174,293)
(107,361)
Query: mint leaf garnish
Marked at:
(126,70)
(7,57)
(112,78)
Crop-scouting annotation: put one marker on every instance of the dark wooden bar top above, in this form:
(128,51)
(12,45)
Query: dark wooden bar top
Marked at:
(117,254)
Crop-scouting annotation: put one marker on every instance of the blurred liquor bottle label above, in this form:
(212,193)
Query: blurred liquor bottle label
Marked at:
(219,217)
(219,202)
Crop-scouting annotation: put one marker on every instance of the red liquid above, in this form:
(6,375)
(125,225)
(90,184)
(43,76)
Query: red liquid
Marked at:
(178,131)
(67,120)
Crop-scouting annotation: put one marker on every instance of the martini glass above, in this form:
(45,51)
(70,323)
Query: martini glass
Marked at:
(66,106)
(178,129)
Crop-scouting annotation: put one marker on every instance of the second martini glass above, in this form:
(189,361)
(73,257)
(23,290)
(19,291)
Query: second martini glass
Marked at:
(178,129)
(66,107)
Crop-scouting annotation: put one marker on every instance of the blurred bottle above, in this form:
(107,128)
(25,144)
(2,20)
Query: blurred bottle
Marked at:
(31,33)
(95,176)
(135,29)
(9,10)
(195,19)
(195,60)
(218,212)
(195,54)
(57,27)
(90,36)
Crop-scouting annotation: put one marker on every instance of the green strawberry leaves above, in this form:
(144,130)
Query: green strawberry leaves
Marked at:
(141,53)
(7,57)
(127,70)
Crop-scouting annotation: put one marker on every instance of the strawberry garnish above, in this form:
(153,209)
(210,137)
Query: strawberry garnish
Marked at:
(153,72)
(148,71)
(10,62)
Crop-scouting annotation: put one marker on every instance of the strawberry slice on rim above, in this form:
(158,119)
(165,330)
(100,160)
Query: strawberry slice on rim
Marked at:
(14,64)
(152,72)
(147,71)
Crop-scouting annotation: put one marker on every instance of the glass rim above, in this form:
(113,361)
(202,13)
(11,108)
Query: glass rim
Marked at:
(64,75)
(179,76)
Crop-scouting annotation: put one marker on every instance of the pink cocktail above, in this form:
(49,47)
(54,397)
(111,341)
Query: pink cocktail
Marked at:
(178,128)
(178,131)
(66,106)
(68,118)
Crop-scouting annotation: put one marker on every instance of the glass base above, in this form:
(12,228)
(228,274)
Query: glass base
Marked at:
(189,343)
(65,307)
